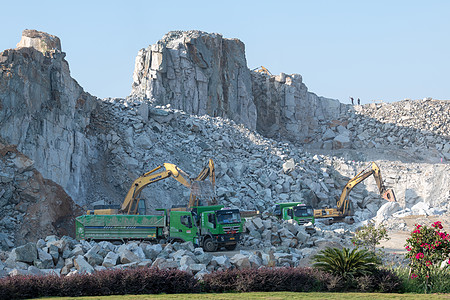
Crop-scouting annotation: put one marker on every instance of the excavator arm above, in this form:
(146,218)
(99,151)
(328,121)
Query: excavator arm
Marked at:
(131,203)
(343,204)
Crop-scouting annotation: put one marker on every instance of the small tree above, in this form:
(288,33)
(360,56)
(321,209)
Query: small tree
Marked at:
(370,236)
(427,248)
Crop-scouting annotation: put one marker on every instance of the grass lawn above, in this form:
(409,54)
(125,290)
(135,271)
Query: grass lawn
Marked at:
(268,296)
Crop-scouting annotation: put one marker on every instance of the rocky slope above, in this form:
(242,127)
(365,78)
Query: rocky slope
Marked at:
(421,126)
(271,140)
(31,205)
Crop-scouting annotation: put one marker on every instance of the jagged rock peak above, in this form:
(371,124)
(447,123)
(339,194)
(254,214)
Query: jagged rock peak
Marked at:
(39,40)
(198,72)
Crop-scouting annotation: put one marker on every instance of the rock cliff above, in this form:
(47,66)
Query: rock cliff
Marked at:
(44,111)
(199,73)
(31,206)
(285,108)
(203,73)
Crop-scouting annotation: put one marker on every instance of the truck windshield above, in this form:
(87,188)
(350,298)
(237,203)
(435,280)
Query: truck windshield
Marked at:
(303,211)
(228,216)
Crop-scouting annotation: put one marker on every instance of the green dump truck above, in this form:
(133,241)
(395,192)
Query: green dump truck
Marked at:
(210,227)
(298,211)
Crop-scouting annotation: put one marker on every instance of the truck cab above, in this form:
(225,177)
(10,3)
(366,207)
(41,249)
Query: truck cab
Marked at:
(182,226)
(211,227)
(298,211)
(218,227)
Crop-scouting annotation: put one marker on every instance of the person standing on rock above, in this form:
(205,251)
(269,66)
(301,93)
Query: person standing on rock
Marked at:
(351,98)
(359,102)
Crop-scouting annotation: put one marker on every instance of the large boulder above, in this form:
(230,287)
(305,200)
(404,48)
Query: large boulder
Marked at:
(40,41)
(386,210)
(26,253)
(82,265)
(341,141)
(110,260)
(240,261)
(126,256)
(45,260)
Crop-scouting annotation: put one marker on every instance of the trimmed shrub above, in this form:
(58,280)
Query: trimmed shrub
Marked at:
(270,279)
(155,281)
(109,282)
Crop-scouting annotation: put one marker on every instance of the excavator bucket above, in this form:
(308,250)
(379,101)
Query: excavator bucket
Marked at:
(203,190)
(389,195)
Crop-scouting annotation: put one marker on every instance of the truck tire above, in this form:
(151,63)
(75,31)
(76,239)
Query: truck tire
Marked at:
(209,245)
(230,247)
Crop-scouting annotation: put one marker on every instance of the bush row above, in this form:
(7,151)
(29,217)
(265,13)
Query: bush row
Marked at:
(108,282)
(155,281)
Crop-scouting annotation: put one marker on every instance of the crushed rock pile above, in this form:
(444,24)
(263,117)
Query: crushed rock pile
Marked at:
(253,172)
(269,231)
(418,125)
(67,256)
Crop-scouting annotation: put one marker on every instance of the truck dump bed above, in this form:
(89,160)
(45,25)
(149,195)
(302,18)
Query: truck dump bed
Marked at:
(119,227)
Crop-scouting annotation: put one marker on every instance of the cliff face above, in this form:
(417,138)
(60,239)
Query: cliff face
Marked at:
(199,73)
(203,73)
(286,108)
(44,111)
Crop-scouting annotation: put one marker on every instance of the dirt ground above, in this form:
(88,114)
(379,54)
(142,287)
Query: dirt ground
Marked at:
(397,241)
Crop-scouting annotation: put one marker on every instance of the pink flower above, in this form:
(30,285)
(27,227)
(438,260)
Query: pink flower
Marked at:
(419,255)
(448,262)
(413,276)
(428,263)
(437,224)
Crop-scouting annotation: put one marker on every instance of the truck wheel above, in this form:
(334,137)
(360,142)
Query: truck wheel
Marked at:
(209,246)
(230,247)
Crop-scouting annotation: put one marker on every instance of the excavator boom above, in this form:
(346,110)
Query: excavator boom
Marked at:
(199,186)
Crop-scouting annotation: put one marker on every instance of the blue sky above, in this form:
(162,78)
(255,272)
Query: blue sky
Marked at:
(374,50)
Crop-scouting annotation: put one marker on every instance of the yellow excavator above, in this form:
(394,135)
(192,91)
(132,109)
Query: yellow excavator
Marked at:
(199,188)
(343,210)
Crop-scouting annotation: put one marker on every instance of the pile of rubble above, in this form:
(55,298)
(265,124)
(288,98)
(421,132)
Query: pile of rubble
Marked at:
(67,256)
(269,231)
(419,125)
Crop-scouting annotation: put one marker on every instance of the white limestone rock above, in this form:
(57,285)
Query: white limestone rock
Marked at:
(82,265)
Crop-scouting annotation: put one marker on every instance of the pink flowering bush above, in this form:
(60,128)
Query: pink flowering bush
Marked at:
(427,248)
